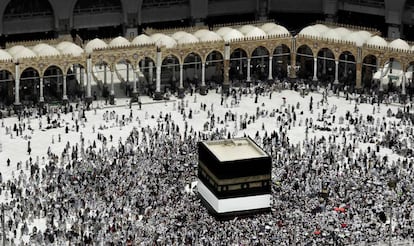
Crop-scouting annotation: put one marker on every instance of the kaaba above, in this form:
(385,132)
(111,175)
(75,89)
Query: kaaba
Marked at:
(234,177)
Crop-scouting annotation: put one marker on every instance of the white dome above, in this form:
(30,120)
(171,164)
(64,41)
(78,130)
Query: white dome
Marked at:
(279,30)
(15,49)
(356,38)
(4,55)
(310,31)
(343,32)
(45,50)
(178,35)
(331,34)
(210,36)
(68,48)
(399,44)
(24,53)
(199,33)
(321,28)
(256,32)
(163,40)
(119,42)
(268,26)
(223,31)
(187,39)
(95,44)
(377,41)
(246,29)
(412,48)
(142,40)
(233,34)
(365,35)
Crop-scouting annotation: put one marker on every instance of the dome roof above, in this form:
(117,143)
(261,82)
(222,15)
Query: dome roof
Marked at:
(199,33)
(163,40)
(24,53)
(119,42)
(68,48)
(399,44)
(309,30)
(15,49)
(279,30)
(4,55)
(187,39)
(377,41)
(95,44)
(365,35)
(268,26)
(223,31)
(142,40)
(256,32)
(332,34)
(45,50)
(210,36)
(178,35)
(342,31)
(246,29)
(321,28)
(233,34)
(356,38)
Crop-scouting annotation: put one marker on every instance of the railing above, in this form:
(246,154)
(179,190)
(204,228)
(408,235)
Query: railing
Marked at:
(161,3)
(97,10)
(28,15)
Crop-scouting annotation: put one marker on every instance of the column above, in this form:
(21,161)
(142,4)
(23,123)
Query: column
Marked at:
(150,72)
(336,81)
(41,97)
(203,88)
(358,82)
(65,96)
(158,95)
(403,95)
(17,86)
(226,68)
(112,81)
(248,79)
(105,75)
(135,77)
(270,68)
(315,69)
(181,86)
(88,80)
(127,72)
(292,71)
(81,77)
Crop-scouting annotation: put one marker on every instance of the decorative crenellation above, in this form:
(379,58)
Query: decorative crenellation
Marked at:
(29,43)
(150,31)
(329,40)
(242,23)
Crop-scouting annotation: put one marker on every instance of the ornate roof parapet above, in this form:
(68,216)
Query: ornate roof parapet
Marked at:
(191,29)
(336,41)
(35,42)
(242,23)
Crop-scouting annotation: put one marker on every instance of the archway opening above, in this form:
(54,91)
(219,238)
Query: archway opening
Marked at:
(75,81)
(214,68)
(147,76)
(392,76)
(29,86)
(170,74)
(304,58)
(53,84)
(238,66)
(124,73)
(6,88)
(259,64)
(369,68)
(347,69)
(326,66)
(281,60)
(192,70)
(28,16)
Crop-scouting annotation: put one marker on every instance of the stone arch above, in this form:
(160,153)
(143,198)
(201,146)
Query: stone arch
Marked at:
(16,5)
(6,86)
(281,60)
(205,57)
(169,54)
(238,64)
(147,67)
(326,65)
(259,61)
(304,58)
(214,67)
(29,85)
(347,68)
(185,55)
(192,69)
(53,83)
(370,65)
(170,72)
